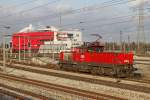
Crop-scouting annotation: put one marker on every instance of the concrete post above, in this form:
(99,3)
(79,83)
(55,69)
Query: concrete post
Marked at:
(19,50)
(24,49)
(4,58)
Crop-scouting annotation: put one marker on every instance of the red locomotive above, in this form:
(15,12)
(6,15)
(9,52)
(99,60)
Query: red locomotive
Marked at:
(93,59)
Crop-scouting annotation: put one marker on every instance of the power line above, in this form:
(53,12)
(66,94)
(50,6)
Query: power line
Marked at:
(140,26)
(94,7)
(89,8)
(107,24)
(93,21)
(99,19)
(28,10)
(54,14)
(18,5)
(88,21)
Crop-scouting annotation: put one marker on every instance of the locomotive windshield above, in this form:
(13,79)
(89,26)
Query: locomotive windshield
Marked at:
(95,47)
(91,47)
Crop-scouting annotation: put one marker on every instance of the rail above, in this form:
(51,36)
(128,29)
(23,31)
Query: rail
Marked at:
(23,92)
(70,90)
(12,94)
(86,79)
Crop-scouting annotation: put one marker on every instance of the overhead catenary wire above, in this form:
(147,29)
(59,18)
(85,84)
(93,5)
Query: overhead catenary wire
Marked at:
(101,25)
(79,10)
(84,8)
(106,24)
(91,21)
(113,0)
(30,9)
(18,4)
(100,19)
(53,15)
(95,20)
(96,7)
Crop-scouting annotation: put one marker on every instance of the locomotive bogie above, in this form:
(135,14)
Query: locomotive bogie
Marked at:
(98,69)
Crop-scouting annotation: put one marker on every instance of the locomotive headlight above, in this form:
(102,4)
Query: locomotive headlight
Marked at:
(126,61)
(82,56)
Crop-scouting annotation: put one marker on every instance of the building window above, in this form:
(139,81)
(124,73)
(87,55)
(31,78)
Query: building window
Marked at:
(70,35)
(75,39)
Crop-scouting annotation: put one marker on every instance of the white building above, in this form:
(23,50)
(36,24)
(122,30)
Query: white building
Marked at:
(63,41)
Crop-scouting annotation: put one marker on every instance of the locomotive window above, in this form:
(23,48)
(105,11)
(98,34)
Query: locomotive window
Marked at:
(90,49)
(81,50)
(97,50)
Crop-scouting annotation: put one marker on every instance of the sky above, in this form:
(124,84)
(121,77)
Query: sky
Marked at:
(104,17)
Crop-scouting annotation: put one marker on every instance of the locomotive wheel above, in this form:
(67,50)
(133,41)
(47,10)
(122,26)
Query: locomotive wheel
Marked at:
(119,72)
(60,66)
(75,68)
(94,71)
(101,70)
(115,71)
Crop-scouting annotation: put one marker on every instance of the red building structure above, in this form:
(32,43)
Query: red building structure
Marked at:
(30,40)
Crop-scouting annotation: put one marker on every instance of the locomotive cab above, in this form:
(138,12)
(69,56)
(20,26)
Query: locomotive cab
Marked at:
(95,47)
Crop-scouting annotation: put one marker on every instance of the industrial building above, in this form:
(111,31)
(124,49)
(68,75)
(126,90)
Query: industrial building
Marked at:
(45,40)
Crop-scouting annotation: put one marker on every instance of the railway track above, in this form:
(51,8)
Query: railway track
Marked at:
(85,79)
(141,80)
(52,67)
(145,60)
(12,94)
(142,61)
(70,90)
(24,92)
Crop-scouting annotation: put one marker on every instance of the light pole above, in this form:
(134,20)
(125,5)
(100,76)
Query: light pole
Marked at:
(19,50)
(4,53)
(121,41)
(29,46)
(24,49)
